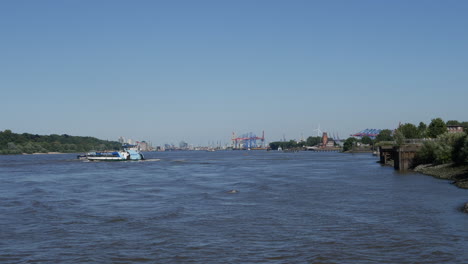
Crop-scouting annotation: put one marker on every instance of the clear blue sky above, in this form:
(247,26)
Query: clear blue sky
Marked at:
(166,71)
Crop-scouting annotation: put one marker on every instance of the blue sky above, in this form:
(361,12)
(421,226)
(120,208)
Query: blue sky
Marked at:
(167,71)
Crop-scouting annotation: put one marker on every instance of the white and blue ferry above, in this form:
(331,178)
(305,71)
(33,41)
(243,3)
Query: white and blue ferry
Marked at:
(129,152)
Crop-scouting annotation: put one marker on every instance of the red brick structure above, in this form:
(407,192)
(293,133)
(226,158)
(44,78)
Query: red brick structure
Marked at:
(454,129)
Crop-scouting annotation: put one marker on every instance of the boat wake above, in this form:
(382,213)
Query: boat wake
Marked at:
(149,160)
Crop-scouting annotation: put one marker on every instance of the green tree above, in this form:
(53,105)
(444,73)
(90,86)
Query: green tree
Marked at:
(366,140)
(301,143)
(409,131)
(284,145)
(384,135)
(426,155)
(28,148)
(399,137)
(436,127)
(422,129)
(6,136)
(465,126)
(445,147)
(443,150)
(12,143)
(275,145)
(12,148)
(460,150)
(313,141)
(453,123)
(349,144)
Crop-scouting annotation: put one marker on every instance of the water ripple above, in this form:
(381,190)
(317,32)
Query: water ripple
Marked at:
(288,208)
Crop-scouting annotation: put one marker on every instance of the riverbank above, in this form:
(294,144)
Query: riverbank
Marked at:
(458,174)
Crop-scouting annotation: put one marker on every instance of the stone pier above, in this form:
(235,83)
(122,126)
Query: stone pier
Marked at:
(402,156)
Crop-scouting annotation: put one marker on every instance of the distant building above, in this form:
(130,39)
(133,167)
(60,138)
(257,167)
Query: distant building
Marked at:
(183,145)
(455,129)
(326,141)
(144,146)
(123,140)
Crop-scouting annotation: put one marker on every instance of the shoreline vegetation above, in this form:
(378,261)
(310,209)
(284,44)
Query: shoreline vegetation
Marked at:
(44,153)
(442,154)
(17,144)
(441,150)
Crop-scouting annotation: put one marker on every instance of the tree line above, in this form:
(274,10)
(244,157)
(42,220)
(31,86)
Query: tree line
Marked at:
(13,143)
(292,144)
(445,148)
(439,146)
(435,130)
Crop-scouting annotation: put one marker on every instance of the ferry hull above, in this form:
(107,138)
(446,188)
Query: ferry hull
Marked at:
(105,158)
(129,153)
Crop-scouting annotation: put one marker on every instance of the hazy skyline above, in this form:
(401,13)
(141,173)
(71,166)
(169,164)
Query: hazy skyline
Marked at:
(166,71)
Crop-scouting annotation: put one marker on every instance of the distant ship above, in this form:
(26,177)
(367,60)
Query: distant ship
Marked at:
(129,152)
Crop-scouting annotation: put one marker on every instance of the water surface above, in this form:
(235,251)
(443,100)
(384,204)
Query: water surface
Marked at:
(301,207)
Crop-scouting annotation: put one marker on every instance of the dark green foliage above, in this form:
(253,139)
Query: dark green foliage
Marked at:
(409,131)
(284,145)
(453,123)
(301,144)
(11,143)
(422,129)
(384,135)
(399,137)
(275,145)
(366,140)
(426,155)
(446,148)
(460,150)
(436,127)
(465,126)
(349,143)
(313,141)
